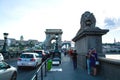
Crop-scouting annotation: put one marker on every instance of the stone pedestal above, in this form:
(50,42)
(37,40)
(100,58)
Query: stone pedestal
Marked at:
(88,37)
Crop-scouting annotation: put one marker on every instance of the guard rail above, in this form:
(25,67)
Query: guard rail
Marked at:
(41,72)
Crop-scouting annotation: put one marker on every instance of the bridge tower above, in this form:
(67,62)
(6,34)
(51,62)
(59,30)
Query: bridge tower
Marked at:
(51,34)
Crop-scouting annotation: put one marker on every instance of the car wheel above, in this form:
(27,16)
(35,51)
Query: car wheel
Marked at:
(14,76)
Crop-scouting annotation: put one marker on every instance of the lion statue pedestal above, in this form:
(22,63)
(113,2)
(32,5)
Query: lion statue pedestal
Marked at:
(89,36)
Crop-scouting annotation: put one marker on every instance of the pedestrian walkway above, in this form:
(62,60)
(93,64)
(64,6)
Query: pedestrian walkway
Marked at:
(65,71)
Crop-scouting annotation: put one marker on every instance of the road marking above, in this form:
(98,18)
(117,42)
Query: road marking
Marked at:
(56,69)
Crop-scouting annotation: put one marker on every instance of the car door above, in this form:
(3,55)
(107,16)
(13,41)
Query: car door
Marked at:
(5,73)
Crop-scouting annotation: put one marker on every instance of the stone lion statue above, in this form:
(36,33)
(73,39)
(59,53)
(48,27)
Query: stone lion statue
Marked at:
(87,20)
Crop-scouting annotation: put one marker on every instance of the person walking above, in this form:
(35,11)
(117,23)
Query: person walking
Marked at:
(88,61)
(65,52)
(93,59)
(74,58)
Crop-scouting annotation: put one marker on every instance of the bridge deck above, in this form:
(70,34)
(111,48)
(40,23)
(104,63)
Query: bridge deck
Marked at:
(65,71)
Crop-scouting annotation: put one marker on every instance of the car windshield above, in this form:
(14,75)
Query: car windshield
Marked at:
(26,56)
(56,58)
(2,65)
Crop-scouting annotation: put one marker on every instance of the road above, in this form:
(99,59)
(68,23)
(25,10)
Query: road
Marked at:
(24,73)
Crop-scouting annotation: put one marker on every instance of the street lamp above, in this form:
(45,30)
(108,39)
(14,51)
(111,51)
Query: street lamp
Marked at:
(56,46)
(4,51)
(56,51)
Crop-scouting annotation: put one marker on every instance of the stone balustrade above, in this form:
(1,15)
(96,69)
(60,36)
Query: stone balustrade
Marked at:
(109,68)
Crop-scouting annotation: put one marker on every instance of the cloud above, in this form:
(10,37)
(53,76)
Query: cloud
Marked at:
(112,23)
(109,22)
(30,18)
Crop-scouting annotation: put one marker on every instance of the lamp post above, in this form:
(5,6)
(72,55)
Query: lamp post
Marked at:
(56,46)
(4,51)
(56,51)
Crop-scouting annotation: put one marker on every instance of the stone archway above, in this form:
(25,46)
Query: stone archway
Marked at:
(51,35)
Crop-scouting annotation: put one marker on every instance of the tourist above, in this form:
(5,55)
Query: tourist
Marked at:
(74,58)
(93,58)
(88,61)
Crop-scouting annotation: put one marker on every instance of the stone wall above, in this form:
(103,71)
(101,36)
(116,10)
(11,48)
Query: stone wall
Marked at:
(109,68)
(81,61)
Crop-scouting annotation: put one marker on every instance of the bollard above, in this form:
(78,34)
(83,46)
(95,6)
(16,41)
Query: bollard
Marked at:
(45,68)
(49,64)
(42,73)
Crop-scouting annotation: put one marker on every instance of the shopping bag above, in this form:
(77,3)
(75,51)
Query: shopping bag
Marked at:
(97,63)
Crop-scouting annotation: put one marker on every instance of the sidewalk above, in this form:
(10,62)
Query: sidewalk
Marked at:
(65,71)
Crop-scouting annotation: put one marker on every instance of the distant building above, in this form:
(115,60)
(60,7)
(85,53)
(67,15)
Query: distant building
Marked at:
(21,38)
(111,47)
(14,42)
(1,44)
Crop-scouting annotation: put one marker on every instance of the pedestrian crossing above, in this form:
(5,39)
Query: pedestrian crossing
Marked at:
(56,69)
(59,68)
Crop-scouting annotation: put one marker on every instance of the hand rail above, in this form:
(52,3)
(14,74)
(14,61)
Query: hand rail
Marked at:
(42,66)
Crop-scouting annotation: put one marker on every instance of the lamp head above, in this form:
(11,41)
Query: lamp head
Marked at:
(5,35)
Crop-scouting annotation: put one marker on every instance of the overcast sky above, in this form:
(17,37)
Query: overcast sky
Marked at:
(31,18)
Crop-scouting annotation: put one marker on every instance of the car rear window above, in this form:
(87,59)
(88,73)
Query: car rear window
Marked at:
(39,52)
(26,56)
(56,58)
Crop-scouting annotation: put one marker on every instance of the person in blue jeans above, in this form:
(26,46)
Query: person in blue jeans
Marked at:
(88,61)
(74,58)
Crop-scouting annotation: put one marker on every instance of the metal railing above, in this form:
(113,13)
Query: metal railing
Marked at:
(41,72)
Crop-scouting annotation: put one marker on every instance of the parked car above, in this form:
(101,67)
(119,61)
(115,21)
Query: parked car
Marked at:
(29,59)
(1,57)
(42,54)
(7,72)
(56,61)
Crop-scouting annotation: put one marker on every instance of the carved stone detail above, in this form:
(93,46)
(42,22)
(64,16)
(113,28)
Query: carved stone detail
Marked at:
(87,20)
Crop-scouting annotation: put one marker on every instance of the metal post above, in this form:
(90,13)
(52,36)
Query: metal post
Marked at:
(4,46)
(36,78)
(42,72)
(56,46)
(4,51)
(45,68)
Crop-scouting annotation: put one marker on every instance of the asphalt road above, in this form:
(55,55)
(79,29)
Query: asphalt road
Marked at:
(24,73)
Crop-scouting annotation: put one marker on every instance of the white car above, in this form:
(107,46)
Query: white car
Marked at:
(1,57)
(29,59)
(7,72)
